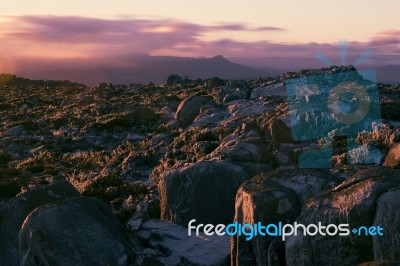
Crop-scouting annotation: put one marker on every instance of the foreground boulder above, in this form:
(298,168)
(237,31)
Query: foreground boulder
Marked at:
(14,212)
(204,191)
(271,204)
(352,202)
(78,231)
(388,217)
(170,244)
(190,107)
(272,198)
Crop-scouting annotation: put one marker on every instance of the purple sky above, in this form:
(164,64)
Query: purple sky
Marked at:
(40,37)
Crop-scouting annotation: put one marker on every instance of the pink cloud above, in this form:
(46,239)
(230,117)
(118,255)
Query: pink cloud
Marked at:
(136,34)
(45,36)
(386,38)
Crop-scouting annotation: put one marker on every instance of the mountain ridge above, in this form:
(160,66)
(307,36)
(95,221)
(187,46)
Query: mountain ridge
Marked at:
(145,68)
(136,68)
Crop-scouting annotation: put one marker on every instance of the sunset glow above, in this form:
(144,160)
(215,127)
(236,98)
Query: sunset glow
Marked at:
(261,33)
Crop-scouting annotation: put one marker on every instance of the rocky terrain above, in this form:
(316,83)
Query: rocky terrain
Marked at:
(112,174)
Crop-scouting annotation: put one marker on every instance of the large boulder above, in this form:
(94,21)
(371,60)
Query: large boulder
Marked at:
(78,231)
(190,107)
(14,212)
(387,215)
(352,202)
(393,157)
(271,198)
(170,244)
(204,191)
(267,203)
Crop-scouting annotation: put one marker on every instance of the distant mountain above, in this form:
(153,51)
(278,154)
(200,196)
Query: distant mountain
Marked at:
(139,68)
(385,73)
(388,74)
(143,68)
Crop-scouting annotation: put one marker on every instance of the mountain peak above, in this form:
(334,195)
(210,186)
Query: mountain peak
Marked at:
(218,58)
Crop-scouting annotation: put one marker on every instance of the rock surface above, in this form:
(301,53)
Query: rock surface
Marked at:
(190,107)
(352,202)
(272,198)
(14,212)
(280,132)
(388,217)
(195,192)
(79,231)
(270,90)
(109,139)
(171,245)
(393,157)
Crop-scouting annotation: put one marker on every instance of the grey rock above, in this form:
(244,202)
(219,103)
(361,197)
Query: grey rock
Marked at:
(271,90)
(14,212)
(266,203)
(204,119)
(305,183)
(174,246)
(78,231)
(204,191)
(190,107)
(271,198)
(388,217)
(352,202)
(247,108)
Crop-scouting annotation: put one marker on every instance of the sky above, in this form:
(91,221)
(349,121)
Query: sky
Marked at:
(247,31)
